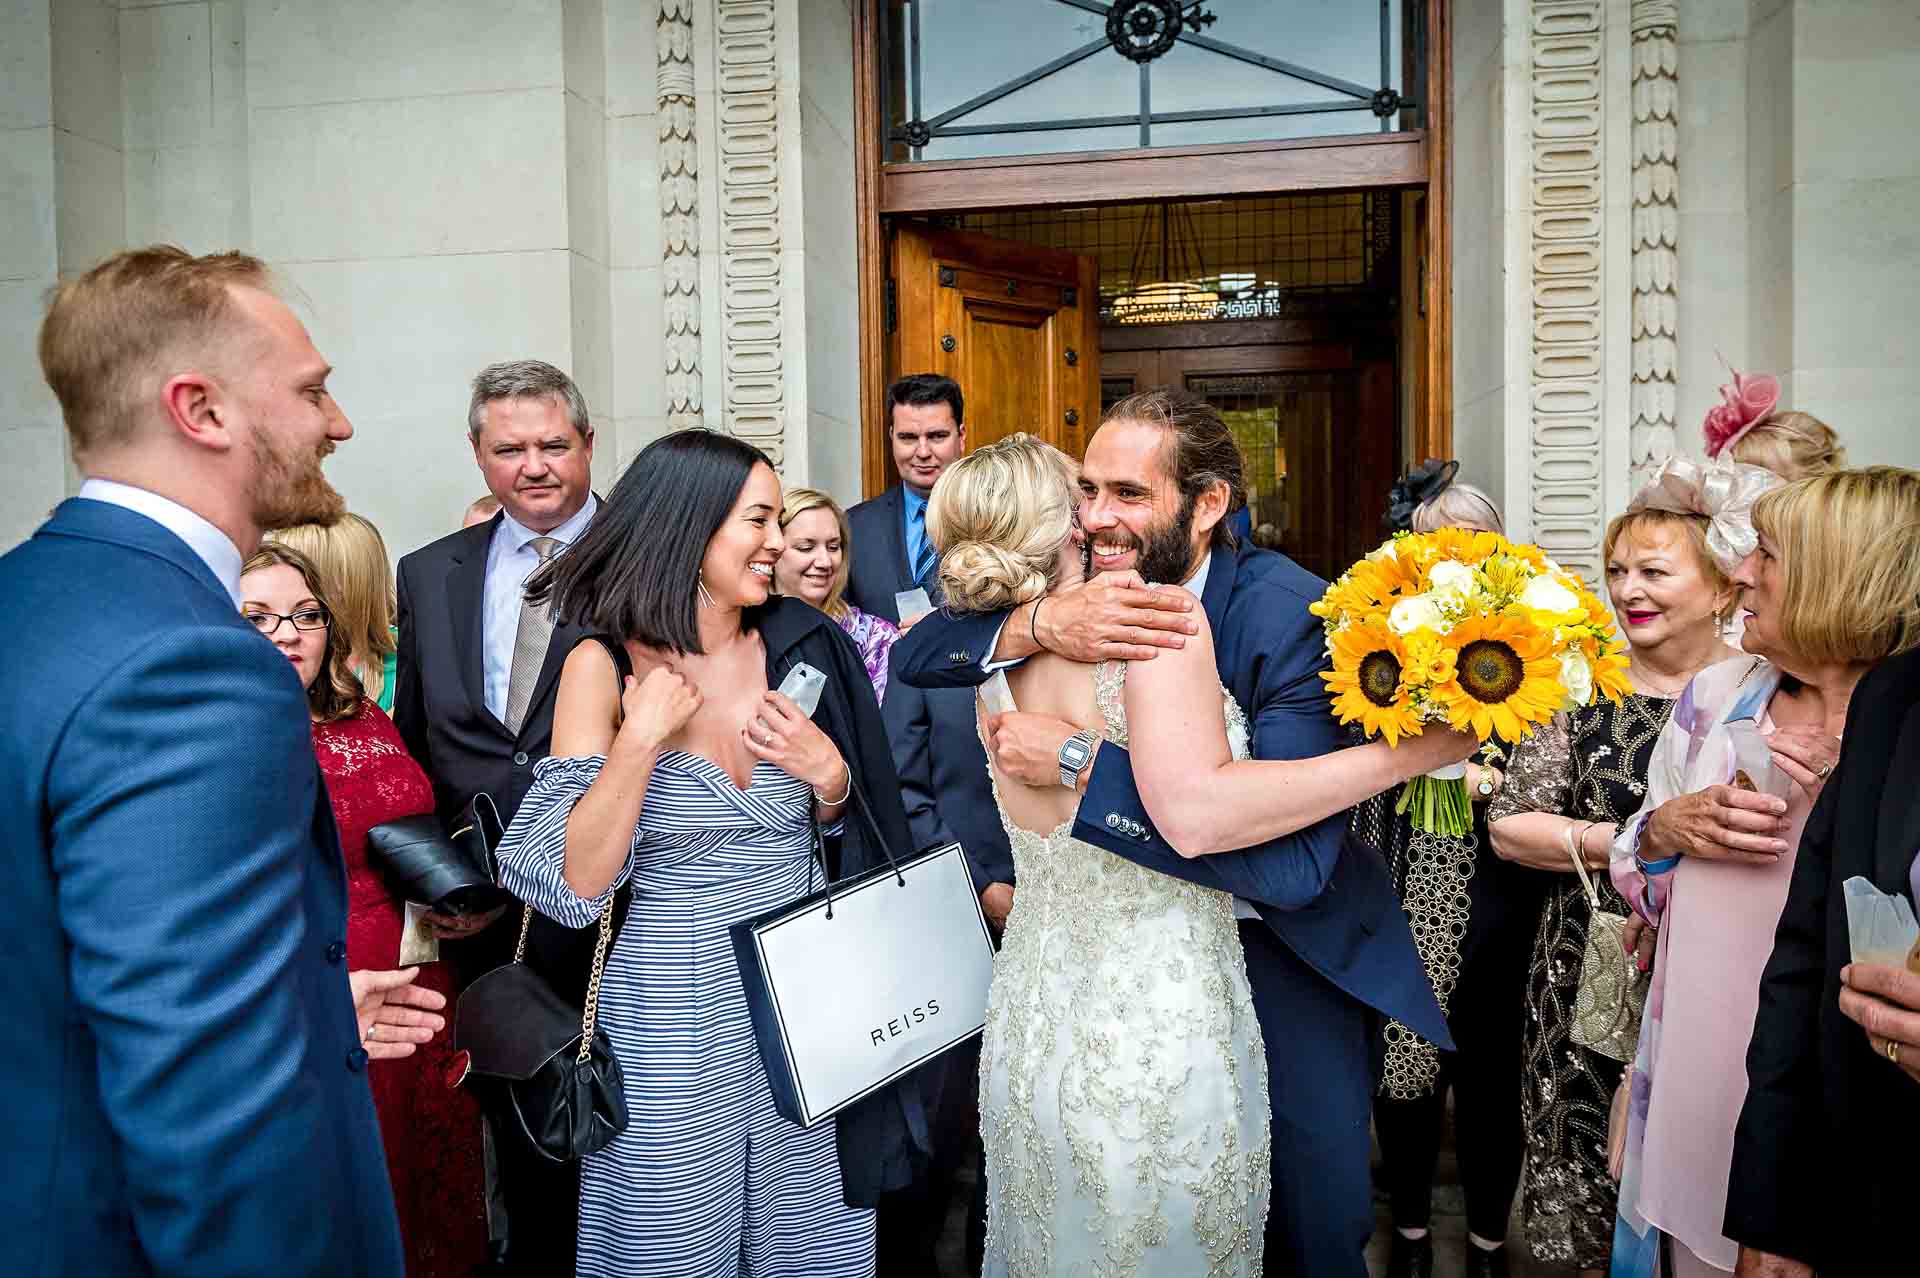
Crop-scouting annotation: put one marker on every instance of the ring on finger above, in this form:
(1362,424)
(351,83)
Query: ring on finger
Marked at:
(1825,769)
(1893,1051)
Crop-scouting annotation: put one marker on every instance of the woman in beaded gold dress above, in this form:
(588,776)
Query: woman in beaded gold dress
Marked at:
(1568,786)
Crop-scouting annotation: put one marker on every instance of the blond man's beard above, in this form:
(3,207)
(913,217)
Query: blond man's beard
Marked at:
(290,488)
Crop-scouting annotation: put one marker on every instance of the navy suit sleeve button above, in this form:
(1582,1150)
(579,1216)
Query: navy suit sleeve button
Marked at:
(1113,820)
(519,758)
(357,1059)
(337,952)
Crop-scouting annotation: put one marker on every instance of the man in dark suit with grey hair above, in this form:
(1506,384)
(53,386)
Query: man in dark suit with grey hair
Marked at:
(474,688)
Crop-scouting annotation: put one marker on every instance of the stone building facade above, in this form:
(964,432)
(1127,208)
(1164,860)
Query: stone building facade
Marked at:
(659,195)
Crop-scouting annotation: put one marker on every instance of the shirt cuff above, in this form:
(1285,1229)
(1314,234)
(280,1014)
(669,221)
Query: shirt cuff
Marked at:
(987,663)
(1630,840)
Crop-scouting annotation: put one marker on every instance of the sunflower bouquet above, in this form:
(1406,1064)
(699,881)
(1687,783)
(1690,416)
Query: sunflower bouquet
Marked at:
(1467,629)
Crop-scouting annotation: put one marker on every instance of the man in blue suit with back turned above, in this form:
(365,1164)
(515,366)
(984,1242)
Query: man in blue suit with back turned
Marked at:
(184,1064)
(1327,946)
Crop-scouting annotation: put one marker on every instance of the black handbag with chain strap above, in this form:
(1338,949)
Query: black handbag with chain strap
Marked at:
(537,1063)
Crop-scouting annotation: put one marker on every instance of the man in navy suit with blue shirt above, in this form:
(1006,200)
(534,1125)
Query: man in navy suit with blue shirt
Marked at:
(1327,947)
(184,1060)
(926,426)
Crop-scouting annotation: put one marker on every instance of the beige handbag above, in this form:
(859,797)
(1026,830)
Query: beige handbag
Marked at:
(1613,989)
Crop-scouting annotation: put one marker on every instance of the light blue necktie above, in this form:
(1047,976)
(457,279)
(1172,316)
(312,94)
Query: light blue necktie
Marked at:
(923,561)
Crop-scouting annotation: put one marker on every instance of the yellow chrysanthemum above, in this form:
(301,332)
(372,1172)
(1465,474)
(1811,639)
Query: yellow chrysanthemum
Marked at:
(1507,677)
(1430,661)
(1366,681)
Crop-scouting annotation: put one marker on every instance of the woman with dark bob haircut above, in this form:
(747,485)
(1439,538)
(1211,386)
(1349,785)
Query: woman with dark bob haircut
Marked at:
(692,786)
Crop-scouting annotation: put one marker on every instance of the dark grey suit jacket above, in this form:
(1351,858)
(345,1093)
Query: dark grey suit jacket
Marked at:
(440,707)
(878,557)
(438,699)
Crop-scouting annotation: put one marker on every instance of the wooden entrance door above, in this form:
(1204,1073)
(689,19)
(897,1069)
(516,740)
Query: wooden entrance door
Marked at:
(1315,427)
(1017,326)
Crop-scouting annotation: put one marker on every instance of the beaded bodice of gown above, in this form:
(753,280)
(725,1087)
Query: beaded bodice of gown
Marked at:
(1123,1078)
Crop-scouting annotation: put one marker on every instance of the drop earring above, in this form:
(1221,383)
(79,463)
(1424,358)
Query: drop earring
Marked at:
(700,584)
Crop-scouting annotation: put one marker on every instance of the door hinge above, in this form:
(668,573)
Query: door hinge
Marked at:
(890,304)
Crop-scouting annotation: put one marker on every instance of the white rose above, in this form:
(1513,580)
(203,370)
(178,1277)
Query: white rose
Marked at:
(1416,612)
(1384,551)
(1452,578)
(1576,676)
(1544,594)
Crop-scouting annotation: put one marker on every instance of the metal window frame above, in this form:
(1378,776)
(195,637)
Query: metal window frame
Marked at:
(1383,102)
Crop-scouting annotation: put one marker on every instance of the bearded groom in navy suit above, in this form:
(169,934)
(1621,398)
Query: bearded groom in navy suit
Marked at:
(1327,947)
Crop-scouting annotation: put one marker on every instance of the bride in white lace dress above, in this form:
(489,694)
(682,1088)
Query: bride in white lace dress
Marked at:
(1123,1080)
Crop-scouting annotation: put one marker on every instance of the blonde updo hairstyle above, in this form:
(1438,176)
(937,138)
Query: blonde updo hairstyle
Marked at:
(999,517)
(1793,445)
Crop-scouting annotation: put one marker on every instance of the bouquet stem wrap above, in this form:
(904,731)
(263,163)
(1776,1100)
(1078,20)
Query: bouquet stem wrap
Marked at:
(1439,802)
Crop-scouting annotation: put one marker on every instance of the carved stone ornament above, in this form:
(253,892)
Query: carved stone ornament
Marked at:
(679,213)
(1567,188)
(1656,233)
(754,405)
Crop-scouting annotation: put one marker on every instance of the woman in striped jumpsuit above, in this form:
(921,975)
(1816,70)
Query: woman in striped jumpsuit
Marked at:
(695,785)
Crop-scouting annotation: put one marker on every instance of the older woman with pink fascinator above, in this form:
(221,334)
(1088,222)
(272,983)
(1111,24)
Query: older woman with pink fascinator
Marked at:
(1708,858)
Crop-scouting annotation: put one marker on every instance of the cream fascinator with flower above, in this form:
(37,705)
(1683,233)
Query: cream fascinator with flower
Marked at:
(1722,492)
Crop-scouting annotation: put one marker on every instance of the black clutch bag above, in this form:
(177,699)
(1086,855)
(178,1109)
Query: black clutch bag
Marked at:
(453,873)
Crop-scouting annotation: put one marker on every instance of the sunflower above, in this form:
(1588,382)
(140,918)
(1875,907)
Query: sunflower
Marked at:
(1381,581)
(1462,544)
(1506,677)
(1608,658)
(1366,681)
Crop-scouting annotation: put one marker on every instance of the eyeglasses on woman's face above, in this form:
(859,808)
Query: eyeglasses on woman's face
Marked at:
(268,622)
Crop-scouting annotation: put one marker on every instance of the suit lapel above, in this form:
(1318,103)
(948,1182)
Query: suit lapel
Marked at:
(466,610)
(897,526)
(1220,578)
(1898,837)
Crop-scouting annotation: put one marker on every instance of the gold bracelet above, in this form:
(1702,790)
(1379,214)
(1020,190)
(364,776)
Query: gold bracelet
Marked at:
(845,794)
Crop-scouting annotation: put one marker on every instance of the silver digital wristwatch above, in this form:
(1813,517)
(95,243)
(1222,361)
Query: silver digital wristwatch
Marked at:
(1075,753)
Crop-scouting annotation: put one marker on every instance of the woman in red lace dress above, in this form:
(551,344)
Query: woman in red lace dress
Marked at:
(431,1130)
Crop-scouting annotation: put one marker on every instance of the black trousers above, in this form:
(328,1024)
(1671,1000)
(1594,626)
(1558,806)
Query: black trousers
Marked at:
(1487,1013)
(909,1222)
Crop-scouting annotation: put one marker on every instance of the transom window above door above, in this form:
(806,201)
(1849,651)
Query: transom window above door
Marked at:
(972,78)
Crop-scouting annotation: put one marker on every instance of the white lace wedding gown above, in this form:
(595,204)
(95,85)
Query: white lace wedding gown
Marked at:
(1123,1082)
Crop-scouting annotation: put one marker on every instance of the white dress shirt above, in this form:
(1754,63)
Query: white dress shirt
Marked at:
(215,549)
(510,561)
